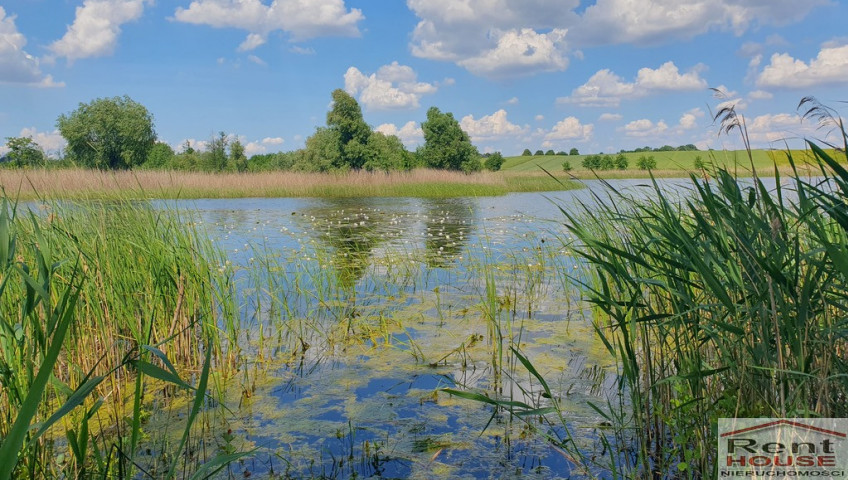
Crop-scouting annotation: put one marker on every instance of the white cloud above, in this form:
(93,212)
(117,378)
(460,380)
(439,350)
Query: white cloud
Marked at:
(520,52)
(301,19)
(689,120)
(778,127)
(410,134)
(606,89)
(393,86)
(257,60)
(491,127)
(570,128)
(301,50)
(539,118)
(273,141)
(829,67)
(494,37)
(610,117)
(96,28)
(512,101)
(760,95)
(16,65)
(644,128)
(252,41)
(659,21)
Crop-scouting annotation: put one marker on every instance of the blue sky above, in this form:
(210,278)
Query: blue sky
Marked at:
(597,75)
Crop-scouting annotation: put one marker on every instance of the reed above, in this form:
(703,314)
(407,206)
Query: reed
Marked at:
(726,301)
(100,303)
(97,184)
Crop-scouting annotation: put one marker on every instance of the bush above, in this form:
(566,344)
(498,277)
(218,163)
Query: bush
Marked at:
(646,162)
(699,163)
(566,166)
(621,162)
(494,162)
(592,162)
(607,163)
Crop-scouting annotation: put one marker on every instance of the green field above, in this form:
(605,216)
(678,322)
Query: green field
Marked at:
(668,163)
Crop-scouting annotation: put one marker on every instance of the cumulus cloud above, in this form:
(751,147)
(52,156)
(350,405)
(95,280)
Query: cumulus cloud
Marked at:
(96,28)
(829,67)
(606,89)
(570,128)
(16,65)
(301,19)
(488,36)
(494,37)
(512,101)
(521,52)
(491,127)
(410,134)
(539,117)
(610,117)
(644,128)
(689,120)
(659,21)
(393,86)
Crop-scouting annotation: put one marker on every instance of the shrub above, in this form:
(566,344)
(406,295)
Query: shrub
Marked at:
(646,162)
(566,166)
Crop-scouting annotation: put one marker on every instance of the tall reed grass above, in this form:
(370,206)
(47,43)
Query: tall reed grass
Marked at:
(100,303)
(728,301)
(97,184)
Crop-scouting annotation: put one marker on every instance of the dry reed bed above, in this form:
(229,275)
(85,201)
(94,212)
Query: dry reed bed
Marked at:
(76,183)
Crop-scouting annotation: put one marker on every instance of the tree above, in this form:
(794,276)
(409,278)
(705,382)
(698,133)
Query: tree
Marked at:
(566,166)
(526,153)
(108,133)
(238,160)
(321,153)
(573,151)
(621,162)
(592,162)
(161,155)
(346,118)
(539,153)
(494,162)
(446,145)
(386,152)
(24,152)
(646,163)
(550,152)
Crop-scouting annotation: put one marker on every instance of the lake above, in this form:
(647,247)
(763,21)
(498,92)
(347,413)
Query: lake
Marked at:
(356,313)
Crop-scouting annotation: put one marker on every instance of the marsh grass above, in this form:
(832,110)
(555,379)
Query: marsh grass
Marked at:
(102,305)
(727,301)
(96,184)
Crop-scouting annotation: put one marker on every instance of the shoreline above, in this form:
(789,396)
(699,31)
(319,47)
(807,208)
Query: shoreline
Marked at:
(83,184)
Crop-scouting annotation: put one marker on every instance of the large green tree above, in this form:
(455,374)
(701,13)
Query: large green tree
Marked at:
(346,118)
(108,133)
(446,145)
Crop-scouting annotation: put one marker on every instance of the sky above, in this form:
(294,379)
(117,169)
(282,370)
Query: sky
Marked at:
(599,75)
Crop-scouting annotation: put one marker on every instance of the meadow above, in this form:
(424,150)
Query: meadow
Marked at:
(671,164)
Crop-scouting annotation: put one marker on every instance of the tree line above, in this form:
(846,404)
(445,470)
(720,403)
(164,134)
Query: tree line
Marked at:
(118,133)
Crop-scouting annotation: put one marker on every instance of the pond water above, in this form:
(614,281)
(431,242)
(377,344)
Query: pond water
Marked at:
(356,313)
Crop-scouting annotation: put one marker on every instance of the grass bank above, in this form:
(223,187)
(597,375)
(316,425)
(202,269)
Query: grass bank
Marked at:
(673,164)
(95,184)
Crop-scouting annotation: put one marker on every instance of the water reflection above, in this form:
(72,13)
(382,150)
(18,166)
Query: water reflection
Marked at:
(448,225)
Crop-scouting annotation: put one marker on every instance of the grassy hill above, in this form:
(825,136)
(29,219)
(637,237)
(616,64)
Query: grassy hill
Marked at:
(668,163)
